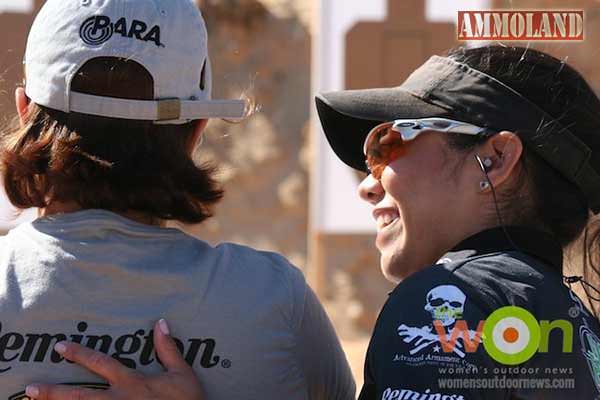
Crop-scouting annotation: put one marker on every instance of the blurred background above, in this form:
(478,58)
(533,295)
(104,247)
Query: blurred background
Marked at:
(286,192)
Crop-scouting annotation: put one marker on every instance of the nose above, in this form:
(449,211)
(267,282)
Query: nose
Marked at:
(370,190)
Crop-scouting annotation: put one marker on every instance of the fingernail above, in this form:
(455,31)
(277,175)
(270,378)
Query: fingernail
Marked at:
(60,348)
(32,391)
(164,327)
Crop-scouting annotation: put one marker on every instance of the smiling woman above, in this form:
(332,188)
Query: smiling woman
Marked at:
(473,223)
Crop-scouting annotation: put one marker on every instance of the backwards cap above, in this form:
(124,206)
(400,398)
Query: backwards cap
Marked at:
(167,37)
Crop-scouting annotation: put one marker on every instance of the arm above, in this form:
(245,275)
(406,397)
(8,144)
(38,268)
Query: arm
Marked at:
(178,382)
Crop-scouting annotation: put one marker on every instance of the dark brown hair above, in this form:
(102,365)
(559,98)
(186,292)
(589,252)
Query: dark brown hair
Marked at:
(107,163)
(554,204)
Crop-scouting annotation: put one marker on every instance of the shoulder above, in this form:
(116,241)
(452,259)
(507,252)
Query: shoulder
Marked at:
(266,272)
(490,281)
(260,262)
(237,258)
(503,278)
(468,290)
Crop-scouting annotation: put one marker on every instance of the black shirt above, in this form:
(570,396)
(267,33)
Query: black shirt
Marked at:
(548,348)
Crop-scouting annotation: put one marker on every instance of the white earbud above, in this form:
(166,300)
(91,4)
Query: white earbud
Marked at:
(487,162)
(485,165)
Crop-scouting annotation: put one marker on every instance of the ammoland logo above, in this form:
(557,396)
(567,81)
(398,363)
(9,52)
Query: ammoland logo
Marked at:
(521,25)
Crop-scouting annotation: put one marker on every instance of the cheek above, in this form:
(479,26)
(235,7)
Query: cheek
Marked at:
(433,163)
(406,176)
(419,185)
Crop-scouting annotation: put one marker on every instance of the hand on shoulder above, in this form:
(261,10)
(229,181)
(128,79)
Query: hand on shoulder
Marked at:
(177,382)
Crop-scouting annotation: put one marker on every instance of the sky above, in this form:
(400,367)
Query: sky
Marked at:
(15,5)
(446,10)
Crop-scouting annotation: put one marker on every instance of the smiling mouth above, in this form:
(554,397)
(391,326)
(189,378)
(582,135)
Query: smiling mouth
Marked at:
(386,220)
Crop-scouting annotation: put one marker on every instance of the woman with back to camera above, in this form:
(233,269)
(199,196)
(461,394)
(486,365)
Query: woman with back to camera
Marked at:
(116,99)
(484,165)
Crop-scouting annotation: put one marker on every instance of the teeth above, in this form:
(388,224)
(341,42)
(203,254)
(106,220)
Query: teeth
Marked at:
(384,220)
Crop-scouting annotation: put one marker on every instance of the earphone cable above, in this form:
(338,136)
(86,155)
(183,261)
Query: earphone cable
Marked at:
(584,284)
(568,279)
(495,197)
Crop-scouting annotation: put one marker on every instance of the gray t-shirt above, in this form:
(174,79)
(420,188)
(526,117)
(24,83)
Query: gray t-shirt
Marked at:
(246,320)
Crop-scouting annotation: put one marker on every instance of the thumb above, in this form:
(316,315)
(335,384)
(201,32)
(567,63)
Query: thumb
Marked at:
(167,350)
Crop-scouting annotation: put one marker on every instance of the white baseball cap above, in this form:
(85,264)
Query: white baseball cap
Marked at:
(167,37)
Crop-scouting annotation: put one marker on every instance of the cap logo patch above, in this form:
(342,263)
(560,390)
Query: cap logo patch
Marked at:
(99,29)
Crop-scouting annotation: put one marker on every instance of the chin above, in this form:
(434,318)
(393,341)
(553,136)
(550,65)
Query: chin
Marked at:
(390,269)
(396,268)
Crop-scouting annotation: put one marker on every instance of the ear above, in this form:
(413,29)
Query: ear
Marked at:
(505,150)
(197,137)
(22,103)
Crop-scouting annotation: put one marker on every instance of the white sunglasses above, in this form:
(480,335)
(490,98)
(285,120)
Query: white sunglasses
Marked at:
(384,143)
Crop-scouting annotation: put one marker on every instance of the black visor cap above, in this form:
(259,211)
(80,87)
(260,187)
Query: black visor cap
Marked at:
(348,116)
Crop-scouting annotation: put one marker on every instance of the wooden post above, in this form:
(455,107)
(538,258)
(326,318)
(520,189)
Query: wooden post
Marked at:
(317,272)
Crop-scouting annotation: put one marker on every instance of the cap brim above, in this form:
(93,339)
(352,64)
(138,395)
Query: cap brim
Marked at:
(348,116)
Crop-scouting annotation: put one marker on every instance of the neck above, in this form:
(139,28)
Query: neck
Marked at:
(70,207)
(464,231)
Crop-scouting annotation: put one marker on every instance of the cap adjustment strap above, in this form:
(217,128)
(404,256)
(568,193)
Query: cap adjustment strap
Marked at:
(168,109)
(164,111)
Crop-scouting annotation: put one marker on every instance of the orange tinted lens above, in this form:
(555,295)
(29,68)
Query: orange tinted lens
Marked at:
(383,146)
